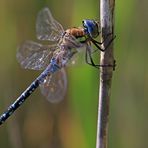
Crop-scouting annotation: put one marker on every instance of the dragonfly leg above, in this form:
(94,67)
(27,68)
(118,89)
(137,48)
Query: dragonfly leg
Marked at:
(98,44)
(89,60)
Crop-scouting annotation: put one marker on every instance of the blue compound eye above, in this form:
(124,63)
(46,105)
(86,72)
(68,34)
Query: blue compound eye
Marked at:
(91,28)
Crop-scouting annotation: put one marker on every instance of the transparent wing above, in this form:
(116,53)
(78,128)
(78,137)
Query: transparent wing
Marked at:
(78,59)
(47,28)
(32,55)
(54,86)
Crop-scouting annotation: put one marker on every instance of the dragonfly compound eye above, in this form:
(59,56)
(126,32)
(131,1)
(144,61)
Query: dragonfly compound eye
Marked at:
(91,28)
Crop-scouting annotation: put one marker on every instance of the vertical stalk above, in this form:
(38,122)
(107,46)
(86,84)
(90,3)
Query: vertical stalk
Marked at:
(106,58)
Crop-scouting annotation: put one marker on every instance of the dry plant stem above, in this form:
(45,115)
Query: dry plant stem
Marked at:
(106,15)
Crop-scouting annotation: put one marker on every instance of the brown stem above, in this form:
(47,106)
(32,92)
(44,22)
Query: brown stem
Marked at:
(106,58)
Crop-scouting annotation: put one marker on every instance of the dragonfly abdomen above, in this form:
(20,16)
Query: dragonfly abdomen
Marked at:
(19,101)
(52,67)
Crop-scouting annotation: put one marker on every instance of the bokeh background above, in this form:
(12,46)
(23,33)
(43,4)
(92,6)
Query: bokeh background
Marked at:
(72,123)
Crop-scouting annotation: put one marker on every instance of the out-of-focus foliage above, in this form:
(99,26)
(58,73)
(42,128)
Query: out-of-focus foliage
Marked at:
(72,123)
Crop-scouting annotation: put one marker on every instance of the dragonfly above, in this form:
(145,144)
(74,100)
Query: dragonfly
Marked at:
(54,57)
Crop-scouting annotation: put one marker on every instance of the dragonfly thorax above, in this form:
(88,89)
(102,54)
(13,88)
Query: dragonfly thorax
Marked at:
(71,39)
(76,32)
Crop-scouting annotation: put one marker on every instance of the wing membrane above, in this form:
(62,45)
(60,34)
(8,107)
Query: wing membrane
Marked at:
(54,87)
(47,27)
(32,55)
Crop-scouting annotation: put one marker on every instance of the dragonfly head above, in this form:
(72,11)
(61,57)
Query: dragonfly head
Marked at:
(91,28)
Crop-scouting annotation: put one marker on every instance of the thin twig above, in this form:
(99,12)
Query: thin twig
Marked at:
(106,58)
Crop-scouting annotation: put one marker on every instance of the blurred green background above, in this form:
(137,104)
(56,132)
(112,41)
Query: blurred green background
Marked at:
(72,123)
